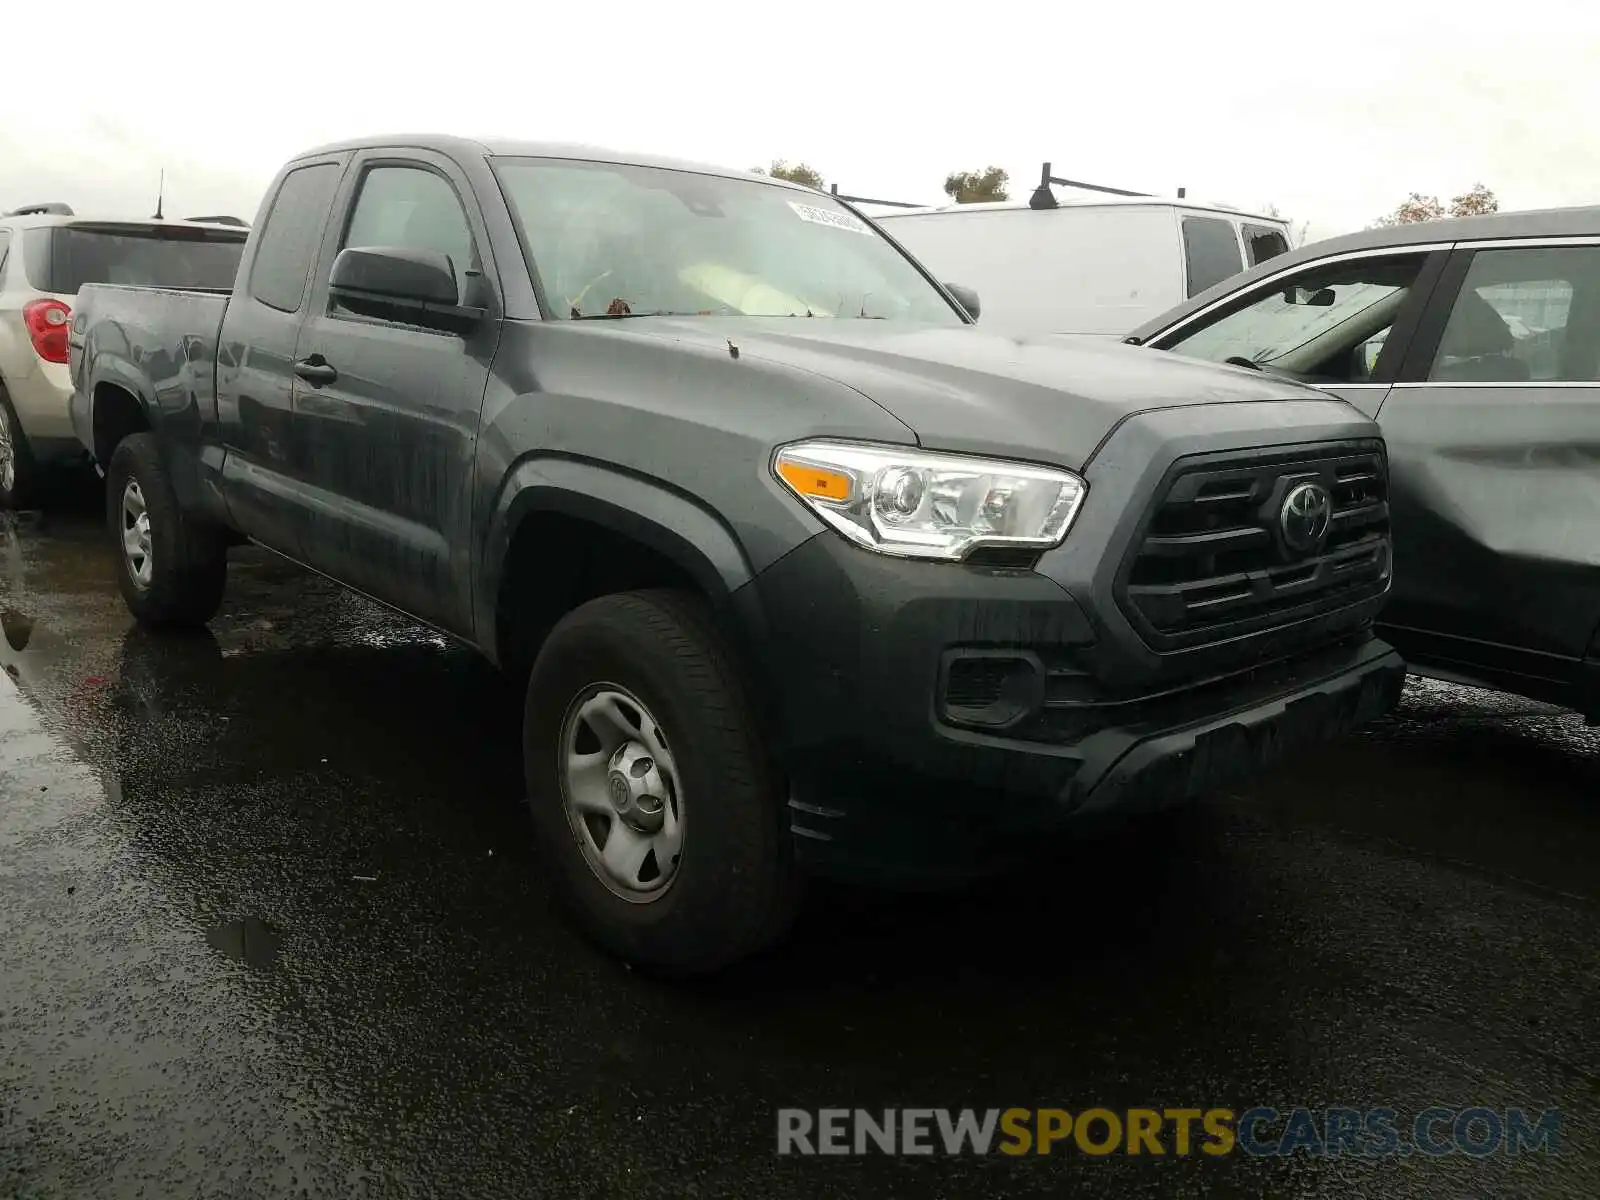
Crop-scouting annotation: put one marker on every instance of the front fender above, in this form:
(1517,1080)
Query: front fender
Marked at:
(671,523)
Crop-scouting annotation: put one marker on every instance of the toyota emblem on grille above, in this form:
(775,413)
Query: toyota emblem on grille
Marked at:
(1305,516)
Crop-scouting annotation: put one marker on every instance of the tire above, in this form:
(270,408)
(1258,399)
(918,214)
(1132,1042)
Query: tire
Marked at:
(734,888)
(19,471)
(187,560)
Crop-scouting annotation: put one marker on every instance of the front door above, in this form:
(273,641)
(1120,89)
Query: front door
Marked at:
(386,413)
(1494,451)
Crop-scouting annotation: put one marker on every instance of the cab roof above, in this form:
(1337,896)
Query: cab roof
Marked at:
(492,147)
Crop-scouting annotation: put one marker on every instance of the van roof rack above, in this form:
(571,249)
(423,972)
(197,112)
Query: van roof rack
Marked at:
(1043,197)
(53,208)
(833,190)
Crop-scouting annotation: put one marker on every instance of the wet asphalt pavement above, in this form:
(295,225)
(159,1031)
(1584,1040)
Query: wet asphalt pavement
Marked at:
(270,926)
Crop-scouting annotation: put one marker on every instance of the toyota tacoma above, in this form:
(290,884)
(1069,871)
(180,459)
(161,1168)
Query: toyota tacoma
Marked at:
(804,571)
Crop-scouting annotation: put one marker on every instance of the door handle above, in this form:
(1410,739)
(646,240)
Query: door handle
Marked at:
(315,370)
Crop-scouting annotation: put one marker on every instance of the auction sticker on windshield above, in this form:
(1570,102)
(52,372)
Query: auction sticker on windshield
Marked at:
(823,216)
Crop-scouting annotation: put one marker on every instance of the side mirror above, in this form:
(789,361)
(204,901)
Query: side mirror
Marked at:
(966,297)
(400,283)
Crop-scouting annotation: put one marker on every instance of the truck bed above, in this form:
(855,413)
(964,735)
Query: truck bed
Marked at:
(170,333)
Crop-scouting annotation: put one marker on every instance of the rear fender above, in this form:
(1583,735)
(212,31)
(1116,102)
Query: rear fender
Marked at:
(118,373)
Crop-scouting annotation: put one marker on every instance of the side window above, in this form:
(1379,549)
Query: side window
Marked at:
(5,249)
(1263,242)
(287,243)
(1211,252)
(1524,316)
(1326,324)
(411,207)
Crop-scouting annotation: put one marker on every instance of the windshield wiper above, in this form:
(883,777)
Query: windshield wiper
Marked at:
(643,312)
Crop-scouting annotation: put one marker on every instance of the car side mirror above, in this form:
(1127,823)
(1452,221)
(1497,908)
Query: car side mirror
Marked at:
(401,283)
(966,297)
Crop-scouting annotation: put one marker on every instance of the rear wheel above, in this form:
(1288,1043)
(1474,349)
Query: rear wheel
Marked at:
(655,803)
(19,473)
(171,568)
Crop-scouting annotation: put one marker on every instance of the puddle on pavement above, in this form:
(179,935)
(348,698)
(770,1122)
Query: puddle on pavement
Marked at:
(250,940)
(17,629)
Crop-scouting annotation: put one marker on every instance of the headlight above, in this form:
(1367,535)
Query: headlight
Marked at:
(919,505)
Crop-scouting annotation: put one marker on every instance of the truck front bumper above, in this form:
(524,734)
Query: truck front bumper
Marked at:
(935,718)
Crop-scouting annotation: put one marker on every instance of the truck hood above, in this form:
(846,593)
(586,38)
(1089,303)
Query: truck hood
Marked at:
(960,388)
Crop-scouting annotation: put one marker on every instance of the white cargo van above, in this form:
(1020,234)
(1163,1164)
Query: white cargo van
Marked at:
(1096,266)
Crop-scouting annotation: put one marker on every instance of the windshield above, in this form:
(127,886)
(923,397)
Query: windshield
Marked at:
(607,239)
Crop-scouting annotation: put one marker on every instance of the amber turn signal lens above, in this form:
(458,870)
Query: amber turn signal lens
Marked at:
(816,482)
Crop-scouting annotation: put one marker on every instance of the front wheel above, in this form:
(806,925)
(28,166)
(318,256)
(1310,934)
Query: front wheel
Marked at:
(171,568)
(655,803)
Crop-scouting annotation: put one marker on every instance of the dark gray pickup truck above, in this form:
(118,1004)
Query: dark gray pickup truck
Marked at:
(803,569)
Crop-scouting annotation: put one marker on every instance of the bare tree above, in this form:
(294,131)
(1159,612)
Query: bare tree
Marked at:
(977,187)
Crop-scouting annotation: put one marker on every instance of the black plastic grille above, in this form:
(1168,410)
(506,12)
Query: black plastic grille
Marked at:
(1213,562)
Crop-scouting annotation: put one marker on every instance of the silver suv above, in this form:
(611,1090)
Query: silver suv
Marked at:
(46,254)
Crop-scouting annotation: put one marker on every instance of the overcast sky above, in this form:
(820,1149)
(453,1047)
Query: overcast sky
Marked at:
(1331,111)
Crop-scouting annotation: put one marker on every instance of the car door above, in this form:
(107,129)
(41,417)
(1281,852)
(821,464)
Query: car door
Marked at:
(255,358)
(1494,447)
(1339,324)
(386,413)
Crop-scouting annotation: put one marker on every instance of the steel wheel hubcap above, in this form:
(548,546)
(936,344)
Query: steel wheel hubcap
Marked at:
(136,549)
(619,785)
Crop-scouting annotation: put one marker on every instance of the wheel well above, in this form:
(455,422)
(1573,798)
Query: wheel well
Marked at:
(117,414)
(556,562)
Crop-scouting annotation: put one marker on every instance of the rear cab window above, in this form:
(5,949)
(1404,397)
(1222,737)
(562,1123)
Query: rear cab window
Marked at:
(63,258)
(288,242)
(1210,252)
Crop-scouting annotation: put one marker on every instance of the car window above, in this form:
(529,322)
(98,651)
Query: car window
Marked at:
(411,207)
(287,243)
(140,256)
(1263,243)
(1210,251)
(5,249)
(1524,316)
(1328,323)
(614,238)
